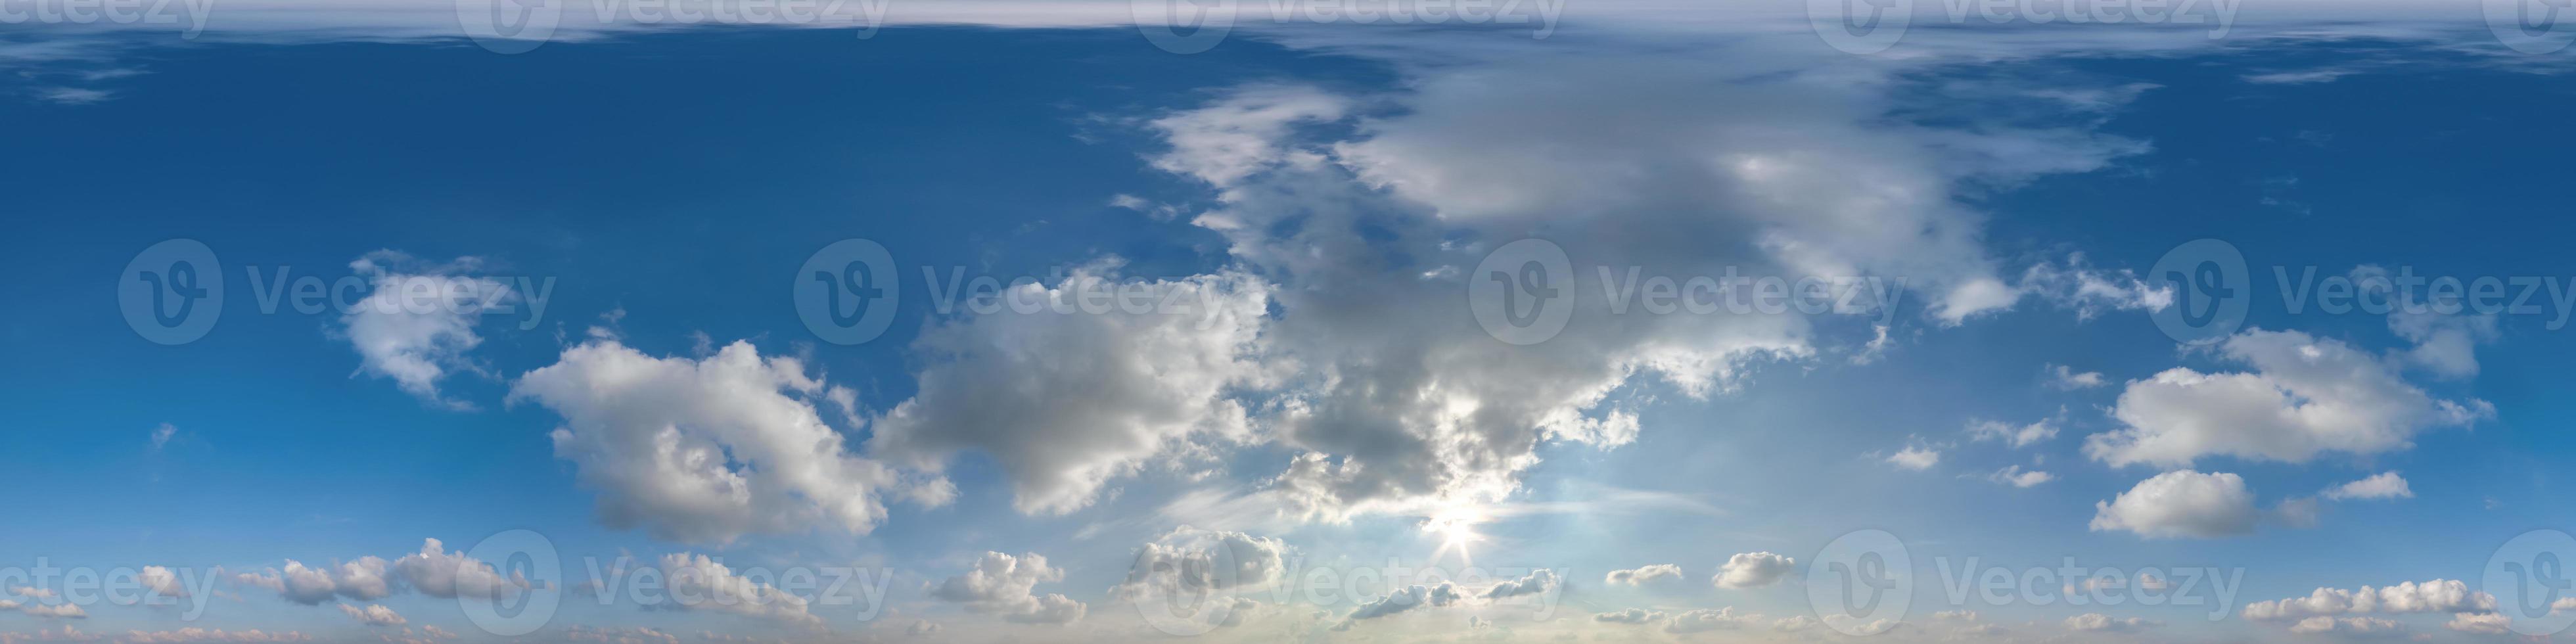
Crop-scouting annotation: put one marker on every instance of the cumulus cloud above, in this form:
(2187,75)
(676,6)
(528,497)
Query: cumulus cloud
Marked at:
(2435,596)
(2064,378)
(1095,390)
(1644,574)
(1538,581)
(363,579)
(1915,457)
(2181,503)
(704,450)
(2305,396)
(700,583)
(2480,623)
(2384,485)
(1189,562)
(435,572)
(418,323)
(1753,570)
(374,615)
(1004,585)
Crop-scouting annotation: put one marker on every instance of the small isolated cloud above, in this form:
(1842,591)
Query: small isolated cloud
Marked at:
(1754,570)
(1409,598)
(2015,476)
(1915,457)
(2064,378)
(1629,616)
(2181,503)
(161,435)
(1538,581)
(374,615)
(72,95)
(1702,620)
(2097,622)
(2016,436)
(418,323)
(2384,485)
(2305,396)
(1643,574)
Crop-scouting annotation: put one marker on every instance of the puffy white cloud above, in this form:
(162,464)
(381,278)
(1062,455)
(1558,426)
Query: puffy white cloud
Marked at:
(1408,598)
(417,324)
(2435,596)
(704,450)
(1004,585)
(2181,503)
(2106,623)
(161,581)
(2015,476)
(361,579)
(1188,562)
(2480,623)
(48,611)
(435,572)
(1754,570)
(1915,457)
(1095,388)
(374,615)
(1643,574)
(2305,396)
(700,583)
(2384,485)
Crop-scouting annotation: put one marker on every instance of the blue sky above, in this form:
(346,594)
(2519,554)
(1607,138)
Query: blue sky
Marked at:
(1308,427)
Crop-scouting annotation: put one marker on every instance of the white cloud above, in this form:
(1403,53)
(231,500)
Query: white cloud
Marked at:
(2064,378)
(1753,570)
(435,572)
(1915,457)
(1004,585)
(418,323)
(1096,391)
(2181,503)
(46,611)
(2306,396)
(1642,575)
(1408,598)
(2435,596)
(1701,620)
(704,451)
(161,435)
(2356,625)
(1537,581)
(2105,623)
(374,615)
(700,583)
(361,579)
(1187,562)
(2015,476)
(2384,485)
(2480,623)
(194,634)
(2009,435)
